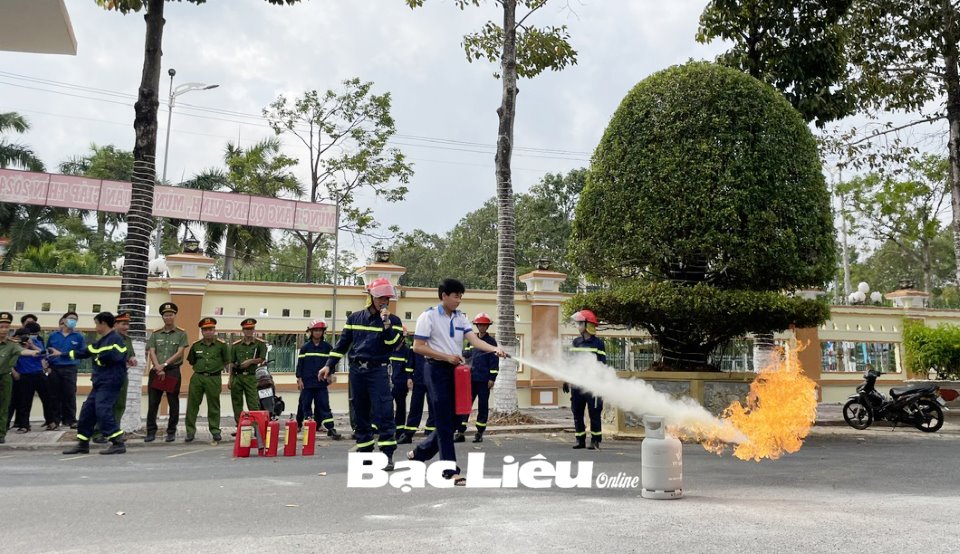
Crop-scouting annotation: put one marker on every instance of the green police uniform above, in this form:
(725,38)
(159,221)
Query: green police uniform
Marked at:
(9,354)
(208,361)
(243,381)
(166,344)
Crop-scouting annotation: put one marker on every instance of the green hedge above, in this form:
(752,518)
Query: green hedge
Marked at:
(936,348)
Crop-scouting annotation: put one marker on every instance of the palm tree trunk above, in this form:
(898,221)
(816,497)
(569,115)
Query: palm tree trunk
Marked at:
(951,77)
(133,287)
(505,391)
(229,252)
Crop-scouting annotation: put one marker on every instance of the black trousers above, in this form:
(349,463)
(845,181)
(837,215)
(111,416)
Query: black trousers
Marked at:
(154,396)
(62,394)
(28,385)
(594,406)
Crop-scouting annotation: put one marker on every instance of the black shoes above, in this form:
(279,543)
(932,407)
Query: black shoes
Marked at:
(333,434)
(217,437)
(389,466)
(150,438)
(405,438)
(170,437)
(188,439)
(581,443)
(594,445)
(478,437)
(99,440)
(82,447)
(459,437)
(116,448)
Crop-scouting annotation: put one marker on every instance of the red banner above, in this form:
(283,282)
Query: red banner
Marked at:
(23,187)
(224,207)
(177,203)
(67,191)
(115,196)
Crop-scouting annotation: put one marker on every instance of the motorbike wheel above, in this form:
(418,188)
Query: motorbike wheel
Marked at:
(857,415)
(930,409)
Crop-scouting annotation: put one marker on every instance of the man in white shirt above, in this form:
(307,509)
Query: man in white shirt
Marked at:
(439,337)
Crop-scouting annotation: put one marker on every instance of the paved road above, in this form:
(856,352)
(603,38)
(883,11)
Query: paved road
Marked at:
(840,493)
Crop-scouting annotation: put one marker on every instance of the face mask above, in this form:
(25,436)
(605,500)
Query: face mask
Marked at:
(71,323)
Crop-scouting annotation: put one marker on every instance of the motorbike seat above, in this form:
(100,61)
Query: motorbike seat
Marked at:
(913,389)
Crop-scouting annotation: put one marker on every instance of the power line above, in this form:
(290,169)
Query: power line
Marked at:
(259,120)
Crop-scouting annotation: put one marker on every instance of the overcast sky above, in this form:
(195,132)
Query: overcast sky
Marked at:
(256,51)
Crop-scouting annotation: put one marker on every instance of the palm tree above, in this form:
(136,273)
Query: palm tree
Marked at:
(13,154)
(261,170)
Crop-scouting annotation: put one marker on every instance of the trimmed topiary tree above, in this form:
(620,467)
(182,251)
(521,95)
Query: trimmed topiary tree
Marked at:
(705,201)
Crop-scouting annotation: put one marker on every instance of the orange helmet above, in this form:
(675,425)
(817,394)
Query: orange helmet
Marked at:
(317,324)
(584,316)
(381,287)
(482,319)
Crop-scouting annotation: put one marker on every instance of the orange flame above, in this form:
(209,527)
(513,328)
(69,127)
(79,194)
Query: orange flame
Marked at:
(780,409)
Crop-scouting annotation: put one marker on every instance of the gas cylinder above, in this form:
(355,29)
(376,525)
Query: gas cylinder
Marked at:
(461,386)
(661,461)
(290,437)
(309,437)
(241,445)
(272,438)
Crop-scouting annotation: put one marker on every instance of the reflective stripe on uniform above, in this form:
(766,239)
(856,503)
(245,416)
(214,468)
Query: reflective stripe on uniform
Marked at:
(328,420)
(481,424)
(386,443)
(396,359)
(392,341)
(581,349)
(581,434)
(365,444)
(362,328)
(335,355)
(82,437)
(115,435)
(314,354)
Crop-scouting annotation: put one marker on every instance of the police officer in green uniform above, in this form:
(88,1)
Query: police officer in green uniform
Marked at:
(10,352)
(246,354)
(209,356)
(165,350)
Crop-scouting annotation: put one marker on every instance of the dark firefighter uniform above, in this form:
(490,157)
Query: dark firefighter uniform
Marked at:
(399,361)
(484,367)
(243,380)
(368,346)
(417,399)
(580,399)
(208,358)
(310,360)
(109,356)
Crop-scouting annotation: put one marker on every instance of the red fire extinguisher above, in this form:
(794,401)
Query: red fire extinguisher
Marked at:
(290,438)
(309,437)
(272,439)
(461,387)
(241,446)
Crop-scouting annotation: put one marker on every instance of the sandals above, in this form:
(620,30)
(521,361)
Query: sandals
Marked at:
(51,426)
(460,481)
(22,430)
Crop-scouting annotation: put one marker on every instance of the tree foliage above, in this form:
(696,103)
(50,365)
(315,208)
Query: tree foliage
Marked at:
(14,154)
(705,190)
(931,348)
(796,46)
(346,134)
(904,209)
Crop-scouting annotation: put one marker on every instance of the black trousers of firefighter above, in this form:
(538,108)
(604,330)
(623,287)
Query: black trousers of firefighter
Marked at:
(417,397)
(372,401)
(579,400)
(481,390)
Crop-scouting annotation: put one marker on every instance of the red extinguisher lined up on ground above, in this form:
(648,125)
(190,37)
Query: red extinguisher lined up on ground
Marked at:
(309,437)
(463,399)
(290,437)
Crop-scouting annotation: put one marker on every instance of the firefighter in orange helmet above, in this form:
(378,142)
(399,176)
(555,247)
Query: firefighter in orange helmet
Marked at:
(587,342)
(484,367)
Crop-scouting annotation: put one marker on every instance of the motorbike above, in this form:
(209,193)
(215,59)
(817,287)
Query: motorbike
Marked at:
(267,392)
(917,405)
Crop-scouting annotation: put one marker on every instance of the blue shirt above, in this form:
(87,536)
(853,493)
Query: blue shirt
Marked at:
(310,360)
(366,340)
(29,365)
(73,342)
(484,366)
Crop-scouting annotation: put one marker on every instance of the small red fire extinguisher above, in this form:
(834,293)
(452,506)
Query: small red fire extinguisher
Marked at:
(241,446)
(461,387)
(290,438)
(273,437)
(309,437)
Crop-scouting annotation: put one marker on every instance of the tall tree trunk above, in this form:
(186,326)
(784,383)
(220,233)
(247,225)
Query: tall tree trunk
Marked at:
(927,266)
(308,270)
(952,80)
(229,252)
(505,390)
(133,286)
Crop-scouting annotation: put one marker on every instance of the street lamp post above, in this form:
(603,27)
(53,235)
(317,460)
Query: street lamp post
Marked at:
(174,92)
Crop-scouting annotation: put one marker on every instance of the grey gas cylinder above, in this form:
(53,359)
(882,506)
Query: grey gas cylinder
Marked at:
(661,461)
